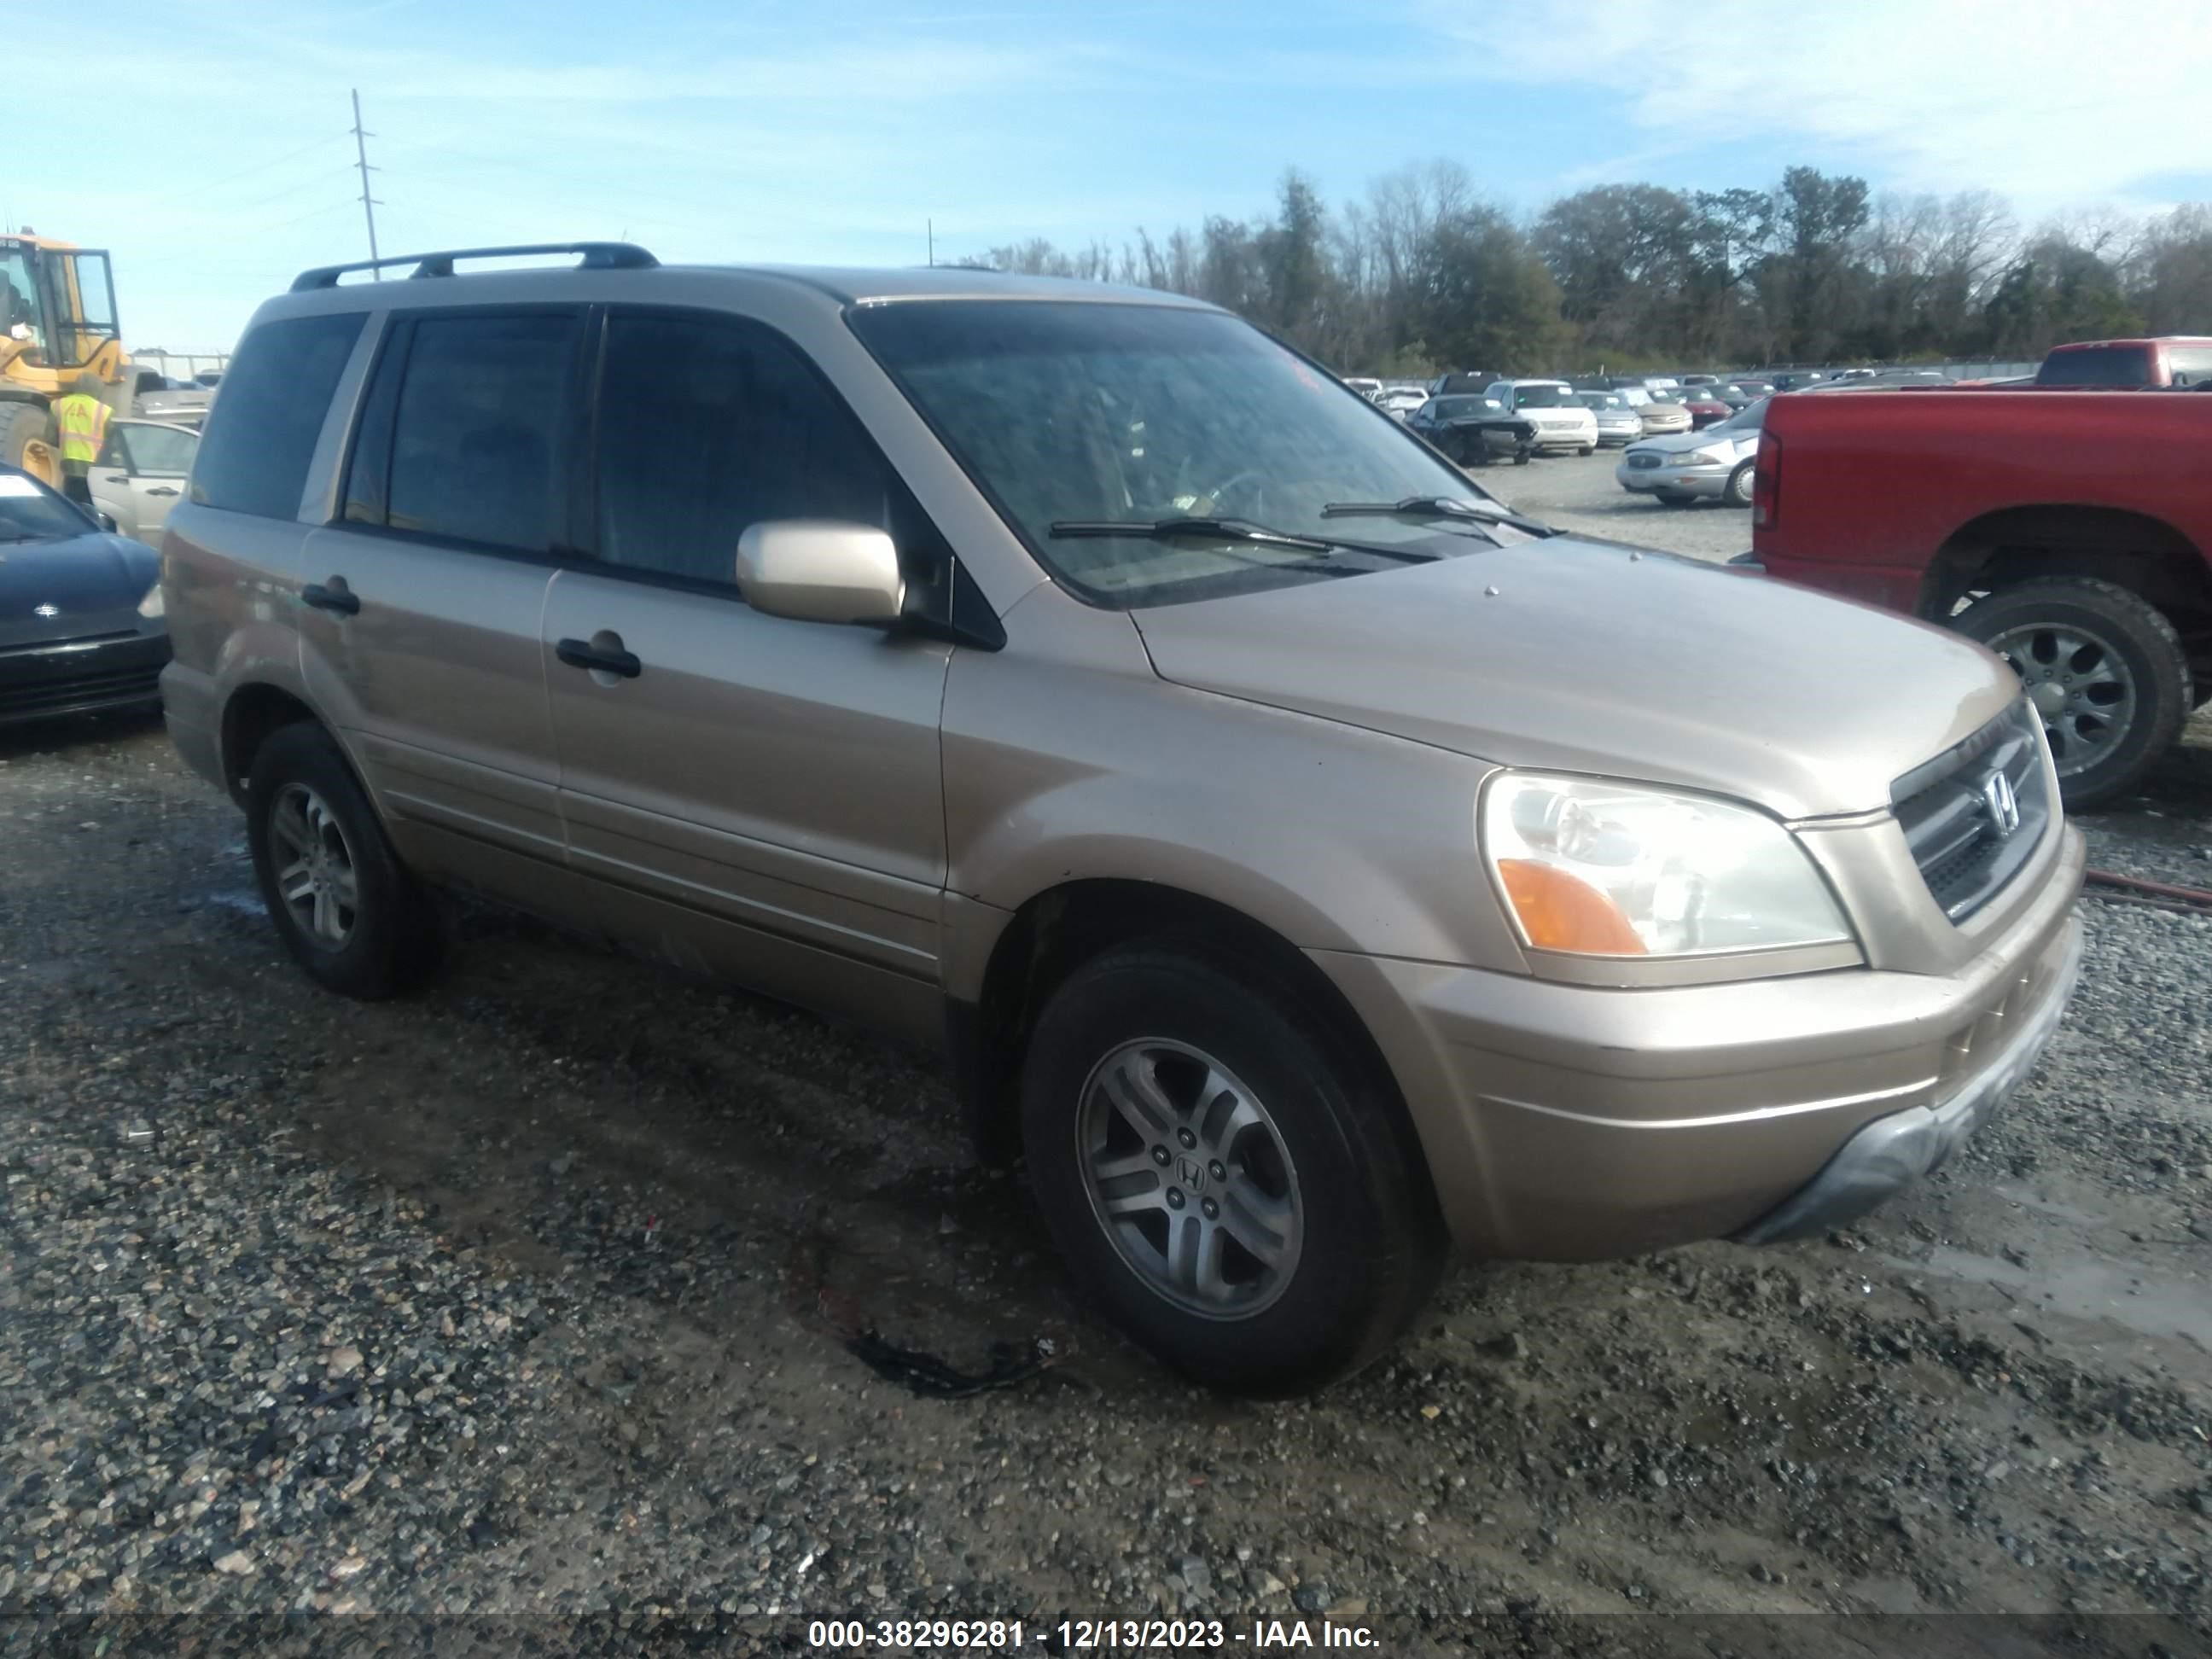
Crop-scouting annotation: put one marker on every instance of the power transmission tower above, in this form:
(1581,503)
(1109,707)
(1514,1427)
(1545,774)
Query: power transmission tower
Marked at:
(368,203)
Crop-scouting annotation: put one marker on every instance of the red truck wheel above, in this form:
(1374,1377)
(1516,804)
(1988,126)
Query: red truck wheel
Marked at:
(2104,668)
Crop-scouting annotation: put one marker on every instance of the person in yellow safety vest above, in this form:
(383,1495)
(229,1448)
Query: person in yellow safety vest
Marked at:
(82,418)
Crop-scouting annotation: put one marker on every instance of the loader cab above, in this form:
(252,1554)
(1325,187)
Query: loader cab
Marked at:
(57,308)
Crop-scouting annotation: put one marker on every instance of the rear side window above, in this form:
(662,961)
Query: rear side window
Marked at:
(2188,366)
(477,419)
(707,427)
(2115,365)
(261,433)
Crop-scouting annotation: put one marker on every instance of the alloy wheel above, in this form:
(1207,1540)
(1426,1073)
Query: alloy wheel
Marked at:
(1189,1177)
(315,874)
(2079,686)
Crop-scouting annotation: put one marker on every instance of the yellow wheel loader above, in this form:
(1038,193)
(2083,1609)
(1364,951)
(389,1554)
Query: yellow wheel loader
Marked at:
(57,322)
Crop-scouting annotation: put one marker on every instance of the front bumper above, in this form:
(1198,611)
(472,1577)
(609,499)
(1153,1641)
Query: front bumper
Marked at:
(75,676)
(1570,437)
(1569,1123)
(1711,481)
(1893,1152)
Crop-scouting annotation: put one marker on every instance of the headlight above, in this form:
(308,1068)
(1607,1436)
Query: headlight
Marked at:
(1707,458)
(1614,869)
(151,604)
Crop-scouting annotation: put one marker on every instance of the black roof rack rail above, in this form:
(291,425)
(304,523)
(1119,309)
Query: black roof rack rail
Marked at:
(597,256)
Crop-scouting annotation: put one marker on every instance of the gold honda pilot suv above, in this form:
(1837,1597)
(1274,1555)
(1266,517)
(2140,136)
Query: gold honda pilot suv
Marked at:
(1307,864)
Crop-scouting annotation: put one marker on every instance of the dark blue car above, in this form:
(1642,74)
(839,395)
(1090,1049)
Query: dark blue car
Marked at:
(81,622)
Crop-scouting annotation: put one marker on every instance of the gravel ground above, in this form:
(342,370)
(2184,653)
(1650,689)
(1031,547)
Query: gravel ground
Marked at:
(1578,492)
(530,1295)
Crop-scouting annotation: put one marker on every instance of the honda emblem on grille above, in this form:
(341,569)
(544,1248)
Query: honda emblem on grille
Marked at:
(2003,805)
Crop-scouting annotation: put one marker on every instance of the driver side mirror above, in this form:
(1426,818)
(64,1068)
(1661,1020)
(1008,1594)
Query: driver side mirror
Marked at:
(821,570)
(107,522)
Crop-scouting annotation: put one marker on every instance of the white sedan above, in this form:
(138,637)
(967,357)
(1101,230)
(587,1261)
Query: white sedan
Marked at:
(140,475)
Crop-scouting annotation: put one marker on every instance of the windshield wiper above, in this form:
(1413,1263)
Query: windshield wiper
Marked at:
(1435,507)
(1232,530)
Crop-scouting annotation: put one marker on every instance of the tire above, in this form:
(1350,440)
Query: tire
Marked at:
(1332,1156)
(1521,457)
(2101,648)
(22,425)
(1672,498)
(1738,491)
(1586,449)
(302,794)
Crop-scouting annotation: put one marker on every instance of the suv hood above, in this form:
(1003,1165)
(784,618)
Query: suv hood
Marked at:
(1587,657)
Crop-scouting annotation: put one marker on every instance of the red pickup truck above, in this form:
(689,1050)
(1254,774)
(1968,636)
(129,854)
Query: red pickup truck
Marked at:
(2069,531)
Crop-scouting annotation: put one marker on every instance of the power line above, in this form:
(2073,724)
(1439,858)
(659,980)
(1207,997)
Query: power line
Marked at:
(287,191)
(368,203)
(260,168)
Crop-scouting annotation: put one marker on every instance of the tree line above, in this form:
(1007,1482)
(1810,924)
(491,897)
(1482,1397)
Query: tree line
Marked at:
(1424,274)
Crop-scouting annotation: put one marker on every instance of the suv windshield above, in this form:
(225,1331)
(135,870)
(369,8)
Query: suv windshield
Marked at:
(1543,397)
(1068,411)
(29,513)
(1600,400)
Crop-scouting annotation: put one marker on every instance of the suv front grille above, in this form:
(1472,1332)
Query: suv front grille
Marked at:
(1955,814)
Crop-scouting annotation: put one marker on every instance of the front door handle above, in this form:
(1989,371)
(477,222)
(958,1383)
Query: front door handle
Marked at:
(163,490)
(606,658)
(117,478)
(334,596)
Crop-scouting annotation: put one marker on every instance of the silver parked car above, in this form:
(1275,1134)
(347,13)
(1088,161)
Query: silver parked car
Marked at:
(1618,421)
(1715,465)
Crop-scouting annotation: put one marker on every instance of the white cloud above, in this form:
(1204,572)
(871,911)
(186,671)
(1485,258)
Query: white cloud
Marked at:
(2049,101)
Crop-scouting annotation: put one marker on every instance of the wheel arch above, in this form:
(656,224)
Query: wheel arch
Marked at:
(2135,550)
(1055,931)
(251,713)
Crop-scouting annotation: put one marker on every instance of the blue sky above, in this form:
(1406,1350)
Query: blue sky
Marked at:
(718,129)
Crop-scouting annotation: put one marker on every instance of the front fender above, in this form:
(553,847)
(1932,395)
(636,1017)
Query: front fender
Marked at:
(1332,836)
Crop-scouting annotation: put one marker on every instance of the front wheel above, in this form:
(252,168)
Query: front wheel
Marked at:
(1586,449)
(1671,498)
(2105,670)
(1738,493)
(1239,1197)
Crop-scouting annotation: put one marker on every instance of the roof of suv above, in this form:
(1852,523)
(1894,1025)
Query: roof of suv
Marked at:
(628,270)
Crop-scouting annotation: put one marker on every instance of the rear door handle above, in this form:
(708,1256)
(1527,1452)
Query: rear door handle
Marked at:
(340,597)
(583,654)
(117,478)
(163,490)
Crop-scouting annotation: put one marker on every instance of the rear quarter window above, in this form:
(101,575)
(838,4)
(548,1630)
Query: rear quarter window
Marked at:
(261,434)
(2117,365)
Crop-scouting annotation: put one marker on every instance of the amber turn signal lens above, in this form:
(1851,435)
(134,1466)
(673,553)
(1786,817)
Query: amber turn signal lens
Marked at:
(1560,912)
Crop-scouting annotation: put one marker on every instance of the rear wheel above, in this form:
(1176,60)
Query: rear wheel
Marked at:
(1239,1197)
(1738,493)
(2105,670)
(343,906)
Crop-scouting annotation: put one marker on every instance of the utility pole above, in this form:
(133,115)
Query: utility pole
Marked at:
(368,203)
(932,223)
